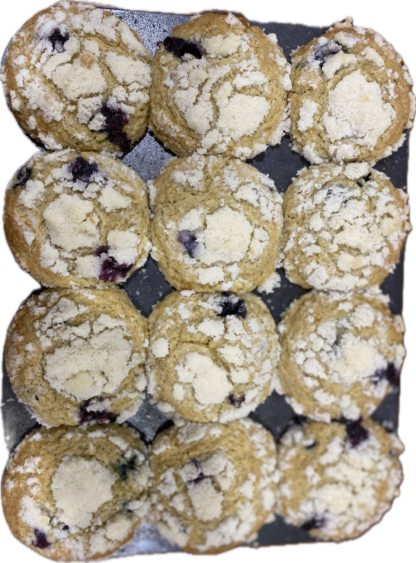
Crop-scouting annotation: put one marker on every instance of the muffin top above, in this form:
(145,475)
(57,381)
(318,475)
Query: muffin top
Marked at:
(212,357)
(76,494)
(351,96)
(344,227)
(219,86)
(77,219)
(337,480)
(79,77)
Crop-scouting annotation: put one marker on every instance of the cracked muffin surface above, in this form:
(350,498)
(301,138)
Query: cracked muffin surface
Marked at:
(337,480)
(212,357)
(216,224)
(74,494)
(213,485)
(77,357)
(77,219)
(344,227)
(79,77)
(219,86)
(351,98)
(341,354)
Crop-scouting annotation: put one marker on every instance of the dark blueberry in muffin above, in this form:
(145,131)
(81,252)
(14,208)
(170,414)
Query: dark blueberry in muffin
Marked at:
(391,373)
(188,240)
(201,476)
(180,47)
(110,269)
(82,170)
(40,540)
(355,431)
(362,181)
(314,523)
(58,39)
(236,401)
(101,416)
(124,467)
(22,177)
(232,306)
(311,445)
(115,120)
(323,52)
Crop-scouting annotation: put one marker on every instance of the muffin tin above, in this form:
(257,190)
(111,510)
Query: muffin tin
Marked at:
(147,286)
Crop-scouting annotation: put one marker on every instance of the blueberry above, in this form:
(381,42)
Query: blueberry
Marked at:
(86,415)
(356,433)
(391,373)
(233,306)
(314,523)
(110,269)
(311,446)
(58,39)
(236,401)
(188,240)
(363,180)
(115,120)
(22,177)
(201,476)
(41,542)
(323,52)
(124,466)
(180,47)
(82,170)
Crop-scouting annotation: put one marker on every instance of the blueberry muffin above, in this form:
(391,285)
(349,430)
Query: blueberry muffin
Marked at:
(216,225)
(344,227)
(212,357)
(213,485)
(219,86)
(351,97)
(337,480)
(341,354)
(79,77)
(76,357)
(77,219)
(76,494)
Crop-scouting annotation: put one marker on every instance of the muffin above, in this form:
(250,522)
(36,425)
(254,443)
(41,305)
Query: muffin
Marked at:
(219,86)
(77,219)
(351,96)
(344,227)
(216,225)
(79,77)
(213,485)
(337,480)
(212,357)
(75,494)
(76,357)
(341,354)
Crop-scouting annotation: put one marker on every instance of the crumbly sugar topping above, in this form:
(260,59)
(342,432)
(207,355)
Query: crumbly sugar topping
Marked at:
(81,207)
(211,496)
(343,485)
(345,227)
(224,87)
(72,72)
(230,218)
(211,356)
(79,506)
(81,355)
(345,352)
(368,100)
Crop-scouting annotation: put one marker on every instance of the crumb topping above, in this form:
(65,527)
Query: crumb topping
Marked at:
(212,356)
(331,488)
(344,227)
(343,350)
(82,208)
(224,87)
(351,97)
(72,69)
